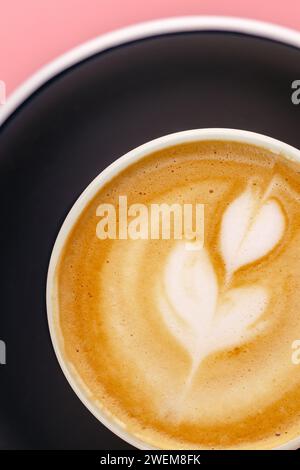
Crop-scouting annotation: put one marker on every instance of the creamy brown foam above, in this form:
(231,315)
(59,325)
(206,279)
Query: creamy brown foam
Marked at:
(192,349)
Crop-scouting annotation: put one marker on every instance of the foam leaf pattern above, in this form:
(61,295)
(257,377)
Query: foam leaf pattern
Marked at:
(204,317)
(194,312)
(191,293)
(251,227)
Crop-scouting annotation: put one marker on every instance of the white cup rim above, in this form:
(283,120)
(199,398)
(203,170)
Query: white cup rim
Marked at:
(220,134)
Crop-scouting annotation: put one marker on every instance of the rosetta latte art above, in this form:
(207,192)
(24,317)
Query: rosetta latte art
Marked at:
(216,316)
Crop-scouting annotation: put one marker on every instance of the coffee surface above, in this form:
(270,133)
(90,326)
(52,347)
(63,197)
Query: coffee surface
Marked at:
(191,349)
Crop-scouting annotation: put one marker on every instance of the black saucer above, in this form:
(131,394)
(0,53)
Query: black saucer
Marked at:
(60,139)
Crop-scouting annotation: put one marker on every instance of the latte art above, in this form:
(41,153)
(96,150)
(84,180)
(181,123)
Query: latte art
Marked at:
(202,315)
(192,349)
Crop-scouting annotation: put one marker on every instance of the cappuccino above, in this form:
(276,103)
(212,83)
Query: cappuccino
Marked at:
(191,349)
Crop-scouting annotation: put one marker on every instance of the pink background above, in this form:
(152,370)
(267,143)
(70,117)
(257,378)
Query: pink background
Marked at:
(33,32)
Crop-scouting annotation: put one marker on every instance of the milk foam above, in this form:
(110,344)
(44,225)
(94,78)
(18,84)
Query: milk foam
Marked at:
(198,315)
(251,228)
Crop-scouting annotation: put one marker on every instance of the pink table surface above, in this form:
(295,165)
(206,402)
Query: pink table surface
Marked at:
(33,32)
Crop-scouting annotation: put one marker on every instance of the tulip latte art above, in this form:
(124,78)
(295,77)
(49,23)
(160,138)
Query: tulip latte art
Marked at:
(191,349)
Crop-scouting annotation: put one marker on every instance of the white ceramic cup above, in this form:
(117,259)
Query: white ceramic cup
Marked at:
(120,164)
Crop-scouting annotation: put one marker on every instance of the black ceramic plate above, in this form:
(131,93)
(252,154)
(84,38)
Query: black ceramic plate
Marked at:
(60,138)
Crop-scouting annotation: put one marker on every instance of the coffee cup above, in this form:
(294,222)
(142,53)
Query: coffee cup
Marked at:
(251,181)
